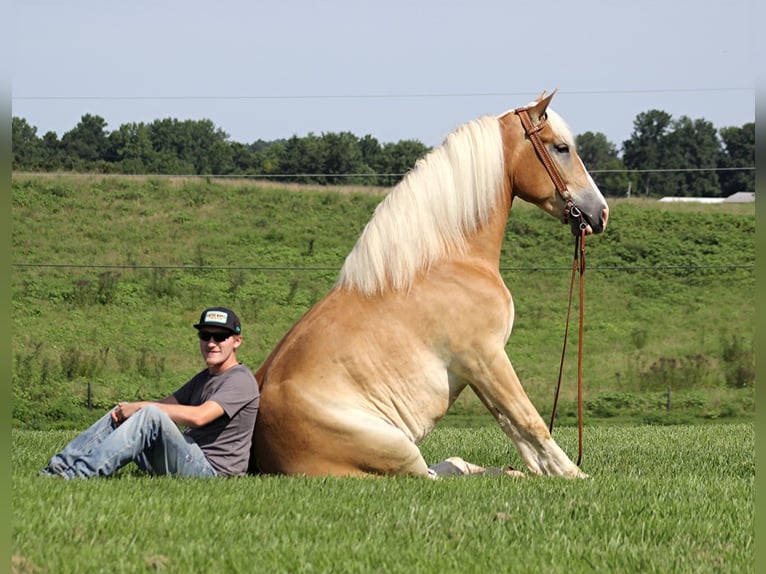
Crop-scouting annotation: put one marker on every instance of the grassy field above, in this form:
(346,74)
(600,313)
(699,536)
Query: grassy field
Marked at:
(660,499)
(110,272)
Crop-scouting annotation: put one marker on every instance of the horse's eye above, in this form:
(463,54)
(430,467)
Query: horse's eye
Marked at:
(562,148)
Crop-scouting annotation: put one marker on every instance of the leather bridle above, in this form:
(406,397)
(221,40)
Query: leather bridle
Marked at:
(533,133)
(578,264)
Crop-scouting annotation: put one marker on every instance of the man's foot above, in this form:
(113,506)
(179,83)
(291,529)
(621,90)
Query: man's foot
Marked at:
(55,470)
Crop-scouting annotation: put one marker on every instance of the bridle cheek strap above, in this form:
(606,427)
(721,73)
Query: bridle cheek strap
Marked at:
(578,264)
(532,132)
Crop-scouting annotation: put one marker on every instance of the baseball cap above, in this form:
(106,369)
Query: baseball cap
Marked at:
(219,317)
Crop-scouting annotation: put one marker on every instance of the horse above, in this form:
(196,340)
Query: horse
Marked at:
(419,312)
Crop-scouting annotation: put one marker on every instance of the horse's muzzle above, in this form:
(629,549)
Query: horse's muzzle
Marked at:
(591,222)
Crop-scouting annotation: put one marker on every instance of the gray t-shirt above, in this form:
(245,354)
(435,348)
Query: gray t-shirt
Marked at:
(225,441)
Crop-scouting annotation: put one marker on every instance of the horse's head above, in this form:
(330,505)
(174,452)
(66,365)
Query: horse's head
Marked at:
(543,167)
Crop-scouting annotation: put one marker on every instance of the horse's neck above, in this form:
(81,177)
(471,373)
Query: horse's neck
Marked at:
(487,242)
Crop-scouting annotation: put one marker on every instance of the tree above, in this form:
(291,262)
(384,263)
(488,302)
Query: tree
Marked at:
(738,152)
(245,161)
(342,157)
(192,146)
(369,147)
(595,149)
(26,146)
(304,158)
(86,144)
(396,159)
(270,157)
(131,147)
(644,149)
(600,158)
(695,150)
(675,157)
(51,150)
(662,156)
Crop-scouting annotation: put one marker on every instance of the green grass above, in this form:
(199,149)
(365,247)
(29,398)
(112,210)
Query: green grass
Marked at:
(660,311)
(661,499)
(666,495)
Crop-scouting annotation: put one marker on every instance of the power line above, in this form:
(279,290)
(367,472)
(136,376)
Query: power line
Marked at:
(381,96)
(340,175)
(672,169)
(178,267)
(320,268)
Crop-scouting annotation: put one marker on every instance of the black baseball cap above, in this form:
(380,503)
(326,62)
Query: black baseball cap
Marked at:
(220,317)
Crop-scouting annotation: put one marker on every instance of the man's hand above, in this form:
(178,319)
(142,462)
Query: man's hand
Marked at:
(185,415)
(125,410)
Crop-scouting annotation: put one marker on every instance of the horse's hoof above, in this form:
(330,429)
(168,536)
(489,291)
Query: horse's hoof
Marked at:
(512,472)
(505,471)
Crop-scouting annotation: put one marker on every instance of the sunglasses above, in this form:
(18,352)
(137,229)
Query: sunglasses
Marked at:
(217,337)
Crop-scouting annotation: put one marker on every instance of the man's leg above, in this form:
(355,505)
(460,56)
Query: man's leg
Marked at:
(148,437)
(170,452)
(83,444)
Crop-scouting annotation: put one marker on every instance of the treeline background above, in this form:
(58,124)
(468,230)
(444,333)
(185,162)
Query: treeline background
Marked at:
(664,155)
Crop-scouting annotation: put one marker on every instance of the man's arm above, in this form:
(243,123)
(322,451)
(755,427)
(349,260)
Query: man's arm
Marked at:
(186,415)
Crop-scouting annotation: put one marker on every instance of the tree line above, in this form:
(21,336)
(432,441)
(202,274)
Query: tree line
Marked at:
(663,156)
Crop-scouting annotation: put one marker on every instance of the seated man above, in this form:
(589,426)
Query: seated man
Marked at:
(217,407)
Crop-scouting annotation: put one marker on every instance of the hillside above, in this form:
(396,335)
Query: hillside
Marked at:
(109,274)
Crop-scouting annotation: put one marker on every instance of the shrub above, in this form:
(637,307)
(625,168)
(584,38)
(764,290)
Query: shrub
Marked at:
(608,405)
(738,361)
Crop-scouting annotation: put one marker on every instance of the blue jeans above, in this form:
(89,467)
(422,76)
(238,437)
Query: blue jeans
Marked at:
(149,438)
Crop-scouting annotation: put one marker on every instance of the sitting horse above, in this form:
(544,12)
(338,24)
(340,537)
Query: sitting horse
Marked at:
(420,311)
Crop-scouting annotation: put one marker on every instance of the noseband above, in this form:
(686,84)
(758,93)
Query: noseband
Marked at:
(533,133)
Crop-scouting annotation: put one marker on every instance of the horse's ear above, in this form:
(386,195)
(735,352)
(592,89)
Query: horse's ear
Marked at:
(537,110)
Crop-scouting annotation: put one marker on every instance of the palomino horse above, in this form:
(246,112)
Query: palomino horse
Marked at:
(420,311)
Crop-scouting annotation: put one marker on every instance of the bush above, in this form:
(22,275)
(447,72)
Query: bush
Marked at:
(738,361)
(607,405)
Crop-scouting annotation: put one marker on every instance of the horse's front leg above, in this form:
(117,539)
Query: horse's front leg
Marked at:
(456,466)
(499,388)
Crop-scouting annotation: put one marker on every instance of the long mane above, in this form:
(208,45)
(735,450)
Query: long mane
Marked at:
(448,195)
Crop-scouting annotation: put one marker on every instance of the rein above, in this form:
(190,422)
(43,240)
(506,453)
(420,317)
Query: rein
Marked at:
(578,262)
(578,265)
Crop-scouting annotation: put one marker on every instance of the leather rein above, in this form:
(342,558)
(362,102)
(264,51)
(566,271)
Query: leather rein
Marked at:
(578,262)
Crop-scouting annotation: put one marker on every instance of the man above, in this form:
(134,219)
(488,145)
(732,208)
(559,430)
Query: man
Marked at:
(217,407)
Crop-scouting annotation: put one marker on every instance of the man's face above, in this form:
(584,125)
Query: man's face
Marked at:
(217,346)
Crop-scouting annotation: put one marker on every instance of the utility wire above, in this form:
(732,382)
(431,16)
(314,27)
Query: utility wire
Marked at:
(381,96)
(285,175)
(320,268)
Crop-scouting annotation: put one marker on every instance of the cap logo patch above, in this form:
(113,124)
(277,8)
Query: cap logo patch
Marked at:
(216,317)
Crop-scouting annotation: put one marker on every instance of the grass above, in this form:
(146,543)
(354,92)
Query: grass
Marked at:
(669,306)
(669,293)
(661,499)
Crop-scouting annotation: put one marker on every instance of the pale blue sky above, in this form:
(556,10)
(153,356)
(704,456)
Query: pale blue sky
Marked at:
(399,69)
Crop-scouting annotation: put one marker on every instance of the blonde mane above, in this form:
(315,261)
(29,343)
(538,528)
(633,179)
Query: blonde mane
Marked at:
(448,195)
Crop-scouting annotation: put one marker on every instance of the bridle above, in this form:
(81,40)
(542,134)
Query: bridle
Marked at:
(533,133)
(578,263)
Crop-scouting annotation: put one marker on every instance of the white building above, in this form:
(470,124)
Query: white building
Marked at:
(739,197)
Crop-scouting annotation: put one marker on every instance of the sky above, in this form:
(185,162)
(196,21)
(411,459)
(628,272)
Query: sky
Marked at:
(394,69)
